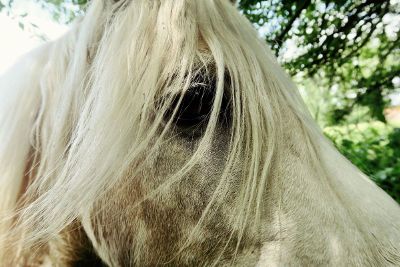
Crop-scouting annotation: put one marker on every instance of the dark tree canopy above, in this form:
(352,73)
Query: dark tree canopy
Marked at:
(337,38)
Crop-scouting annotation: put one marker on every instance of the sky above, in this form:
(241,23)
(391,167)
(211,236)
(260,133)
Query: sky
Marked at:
(18,42)
(15,41)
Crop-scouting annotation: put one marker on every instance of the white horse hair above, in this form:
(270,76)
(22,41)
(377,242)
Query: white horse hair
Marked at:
(95,168)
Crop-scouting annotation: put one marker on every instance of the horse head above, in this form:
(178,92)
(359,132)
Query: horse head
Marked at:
(165,132)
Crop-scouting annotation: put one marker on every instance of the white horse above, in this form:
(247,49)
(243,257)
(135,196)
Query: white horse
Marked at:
(163,132)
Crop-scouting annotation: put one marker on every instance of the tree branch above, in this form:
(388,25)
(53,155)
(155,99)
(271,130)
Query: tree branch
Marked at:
(281,37)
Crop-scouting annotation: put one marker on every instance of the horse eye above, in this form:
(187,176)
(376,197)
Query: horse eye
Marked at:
(194,107)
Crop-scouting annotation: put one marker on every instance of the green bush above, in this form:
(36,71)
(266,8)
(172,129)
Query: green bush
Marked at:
(375,149)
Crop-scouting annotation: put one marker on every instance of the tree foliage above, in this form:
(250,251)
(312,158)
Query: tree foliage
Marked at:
(64,11)
(349,45)
(372,147)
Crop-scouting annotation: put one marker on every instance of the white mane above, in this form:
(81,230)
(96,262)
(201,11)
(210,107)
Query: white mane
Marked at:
(82,109)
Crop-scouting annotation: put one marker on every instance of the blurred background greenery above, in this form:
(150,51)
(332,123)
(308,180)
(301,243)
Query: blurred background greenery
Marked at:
(344,56)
